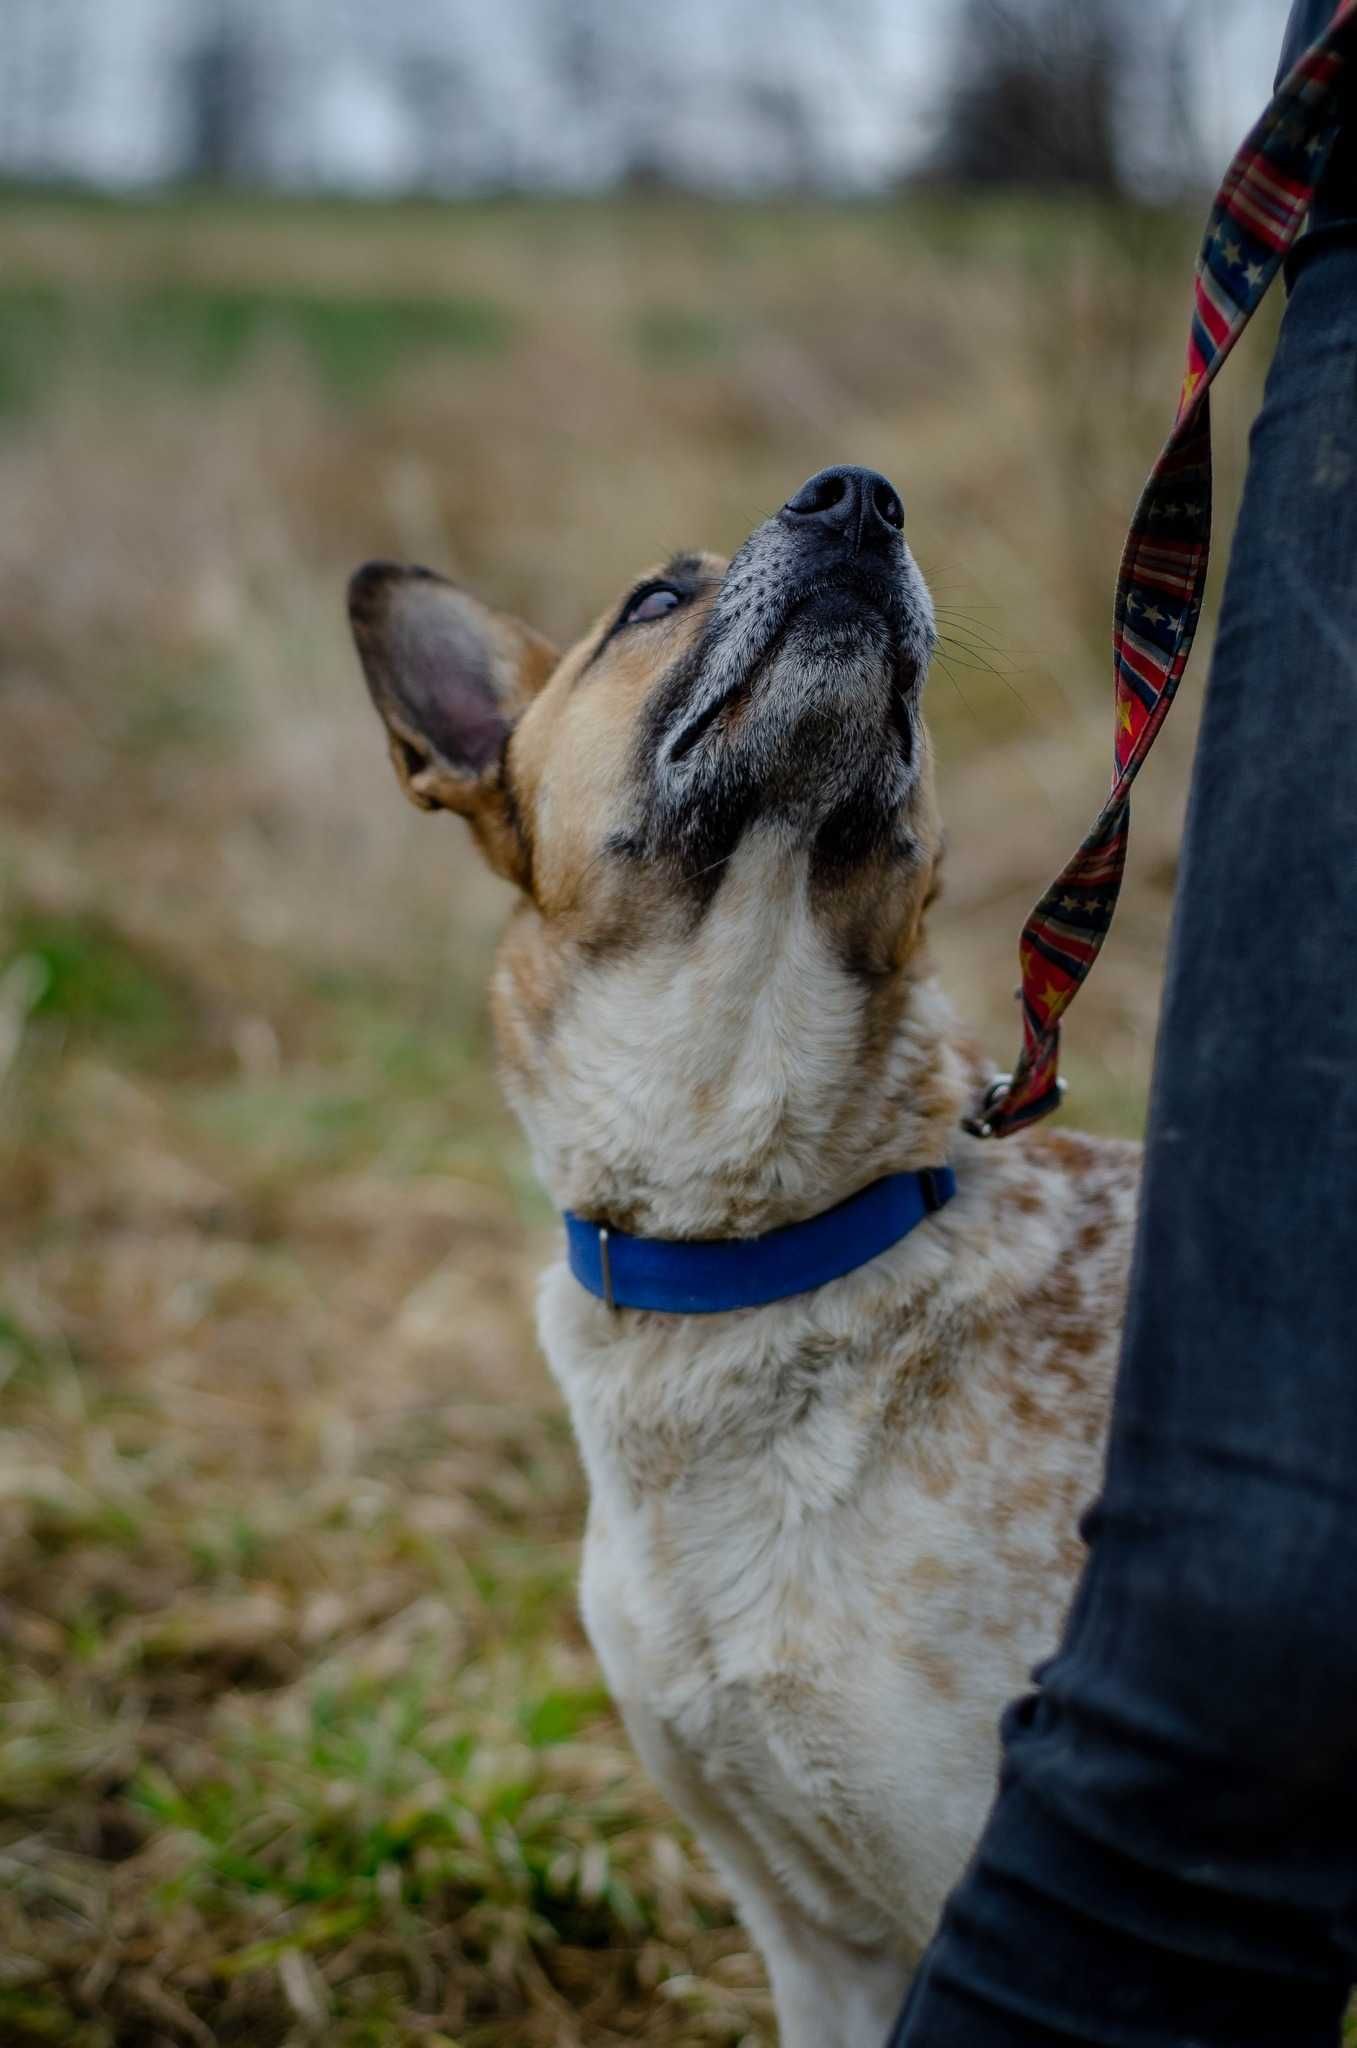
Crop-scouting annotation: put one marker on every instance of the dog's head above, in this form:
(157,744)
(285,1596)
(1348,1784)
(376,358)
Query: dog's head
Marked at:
(729,769)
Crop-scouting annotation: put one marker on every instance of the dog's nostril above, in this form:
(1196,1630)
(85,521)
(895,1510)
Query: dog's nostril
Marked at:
(822,494)
(888,505)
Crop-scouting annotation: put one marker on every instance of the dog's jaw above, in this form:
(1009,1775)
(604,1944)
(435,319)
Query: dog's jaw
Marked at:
(799,703)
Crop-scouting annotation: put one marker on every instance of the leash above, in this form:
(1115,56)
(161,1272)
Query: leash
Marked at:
(1257,215)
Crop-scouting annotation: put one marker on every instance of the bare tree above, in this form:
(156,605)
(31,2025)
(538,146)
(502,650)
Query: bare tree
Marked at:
(1034,93)
(224,90)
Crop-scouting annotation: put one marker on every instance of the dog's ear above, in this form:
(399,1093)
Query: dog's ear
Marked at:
(448,677)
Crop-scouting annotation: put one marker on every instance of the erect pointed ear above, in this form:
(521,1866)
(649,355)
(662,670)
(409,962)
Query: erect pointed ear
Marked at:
(449,677)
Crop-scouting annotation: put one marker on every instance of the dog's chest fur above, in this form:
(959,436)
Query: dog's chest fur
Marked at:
(828,1539)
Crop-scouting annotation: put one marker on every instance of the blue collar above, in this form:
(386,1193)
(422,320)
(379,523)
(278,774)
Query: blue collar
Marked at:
(702,1277)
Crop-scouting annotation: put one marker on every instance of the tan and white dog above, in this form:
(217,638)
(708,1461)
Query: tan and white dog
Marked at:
(829,1537)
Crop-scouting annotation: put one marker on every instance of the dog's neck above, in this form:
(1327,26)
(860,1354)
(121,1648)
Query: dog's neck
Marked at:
(740,1078)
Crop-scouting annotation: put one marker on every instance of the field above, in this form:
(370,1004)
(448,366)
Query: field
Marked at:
(299,1736)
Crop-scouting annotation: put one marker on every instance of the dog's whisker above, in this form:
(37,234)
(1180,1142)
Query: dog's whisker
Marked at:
(956,650)
(940,661)
(982,653)
(971,656)
(967,620)
(979,655)
(711,868)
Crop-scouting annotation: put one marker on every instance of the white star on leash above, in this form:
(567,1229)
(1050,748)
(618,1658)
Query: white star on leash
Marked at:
(1154,615)
(1254,275)
(1233,253)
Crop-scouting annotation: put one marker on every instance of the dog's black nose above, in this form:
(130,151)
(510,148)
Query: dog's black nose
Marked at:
(858,506)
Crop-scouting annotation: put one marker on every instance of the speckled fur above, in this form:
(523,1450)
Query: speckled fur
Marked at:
(827,1539)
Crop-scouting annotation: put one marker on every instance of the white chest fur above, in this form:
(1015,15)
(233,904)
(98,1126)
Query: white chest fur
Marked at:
(697,1084)
(829,1538)
(825,1545)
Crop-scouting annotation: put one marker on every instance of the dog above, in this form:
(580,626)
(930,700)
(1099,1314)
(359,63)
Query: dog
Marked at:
(828,1535)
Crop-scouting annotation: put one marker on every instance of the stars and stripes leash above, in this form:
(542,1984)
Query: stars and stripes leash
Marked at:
(1257,215)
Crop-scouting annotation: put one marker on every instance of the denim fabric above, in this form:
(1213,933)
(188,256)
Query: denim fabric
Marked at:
(1309,19)
(1172,1858)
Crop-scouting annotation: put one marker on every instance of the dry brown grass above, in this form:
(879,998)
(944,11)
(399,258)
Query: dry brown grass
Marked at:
(298,1734)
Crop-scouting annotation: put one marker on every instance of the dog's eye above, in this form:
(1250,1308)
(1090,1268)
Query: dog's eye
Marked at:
(652,604)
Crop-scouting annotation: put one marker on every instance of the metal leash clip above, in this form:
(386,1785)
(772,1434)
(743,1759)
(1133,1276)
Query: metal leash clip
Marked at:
(980,1126)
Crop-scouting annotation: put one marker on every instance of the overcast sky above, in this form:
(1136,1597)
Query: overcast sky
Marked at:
(96,88)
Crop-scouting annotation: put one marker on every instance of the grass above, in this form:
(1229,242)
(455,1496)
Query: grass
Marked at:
(204,335)
(82,975)
(299,1737)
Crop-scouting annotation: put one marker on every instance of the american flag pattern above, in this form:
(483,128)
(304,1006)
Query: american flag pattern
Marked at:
(1257,215)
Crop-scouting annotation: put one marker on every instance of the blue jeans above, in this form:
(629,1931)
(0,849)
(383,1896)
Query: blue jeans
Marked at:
(1171,1861)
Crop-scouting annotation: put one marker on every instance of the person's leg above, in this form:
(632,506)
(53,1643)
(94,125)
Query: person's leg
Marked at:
(1172,1857)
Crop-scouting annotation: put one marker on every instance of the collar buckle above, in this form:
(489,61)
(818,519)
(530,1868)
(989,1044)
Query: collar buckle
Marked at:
(605,1266)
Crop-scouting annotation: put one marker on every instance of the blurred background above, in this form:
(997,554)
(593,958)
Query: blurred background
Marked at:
(299,1738)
